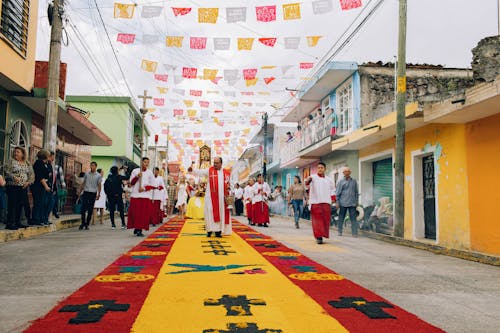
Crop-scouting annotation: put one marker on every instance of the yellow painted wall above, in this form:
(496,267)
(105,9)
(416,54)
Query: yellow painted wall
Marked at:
(452,188)
(452,202)
(483,162)
(18,68)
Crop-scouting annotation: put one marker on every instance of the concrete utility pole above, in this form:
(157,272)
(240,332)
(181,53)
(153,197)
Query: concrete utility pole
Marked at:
(50,128)
(264,149)
(143,110)
(399,165)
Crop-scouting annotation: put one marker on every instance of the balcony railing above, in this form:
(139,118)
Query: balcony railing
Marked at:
(289,150)
(315,131)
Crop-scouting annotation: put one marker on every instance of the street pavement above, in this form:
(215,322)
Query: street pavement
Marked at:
(453,294)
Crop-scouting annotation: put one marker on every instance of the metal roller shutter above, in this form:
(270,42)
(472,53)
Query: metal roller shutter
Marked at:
(382,179)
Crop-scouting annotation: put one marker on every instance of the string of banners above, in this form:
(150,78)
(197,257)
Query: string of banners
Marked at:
(264,14)
(220,43)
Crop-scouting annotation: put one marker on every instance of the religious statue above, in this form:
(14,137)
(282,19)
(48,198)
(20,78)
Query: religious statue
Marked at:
(205,157)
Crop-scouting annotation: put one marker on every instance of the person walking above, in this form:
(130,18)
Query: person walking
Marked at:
(347,201)
(248,198)
(296,197)
(91,188)
(172,193)
(158,197)
(100,203)
(141,208)
(320,191)
(261,193)
(19,175)
(238,199)
(113,187)
(182,197)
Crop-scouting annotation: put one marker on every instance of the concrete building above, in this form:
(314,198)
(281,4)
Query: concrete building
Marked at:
(120,118)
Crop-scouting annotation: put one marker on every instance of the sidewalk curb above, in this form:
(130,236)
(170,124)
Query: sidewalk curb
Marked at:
(37,230)
(436,249)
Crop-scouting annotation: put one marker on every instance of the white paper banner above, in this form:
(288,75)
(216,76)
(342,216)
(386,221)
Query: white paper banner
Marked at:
(285,69)
(219,104)
(169,67)
(230,93)
(230,74)
(236,14)
(150,39)
(292,42)
(179,91)
(222,43)
(178,79)
(322,6)
(151,11)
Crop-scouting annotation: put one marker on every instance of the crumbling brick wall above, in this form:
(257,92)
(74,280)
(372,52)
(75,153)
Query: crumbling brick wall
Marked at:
(486,59)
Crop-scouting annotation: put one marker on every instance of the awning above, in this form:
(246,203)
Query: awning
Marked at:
(299,162)
(251,151)
(478,102)
(379,130)
(73,122)
(330,76)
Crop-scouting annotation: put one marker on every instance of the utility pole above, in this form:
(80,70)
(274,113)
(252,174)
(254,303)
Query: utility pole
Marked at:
(264,149)
(143,111)
(56,11)
(399,165)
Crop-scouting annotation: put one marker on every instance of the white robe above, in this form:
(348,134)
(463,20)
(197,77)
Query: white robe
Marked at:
(159,194)
(209,215)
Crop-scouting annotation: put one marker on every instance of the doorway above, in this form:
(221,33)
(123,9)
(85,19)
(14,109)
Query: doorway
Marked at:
(429,185)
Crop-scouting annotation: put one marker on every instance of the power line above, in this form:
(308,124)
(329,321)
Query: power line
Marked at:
(113,49)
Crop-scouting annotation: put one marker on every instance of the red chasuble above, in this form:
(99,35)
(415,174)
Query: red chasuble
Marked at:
(213,177)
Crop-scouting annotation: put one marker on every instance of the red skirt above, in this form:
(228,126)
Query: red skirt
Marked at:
(249,211)
(260,213)
(320,220)
(139,213)
(157,216)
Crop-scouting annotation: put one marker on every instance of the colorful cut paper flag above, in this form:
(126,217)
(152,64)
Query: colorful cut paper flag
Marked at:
(122,10)
(254,122)
(148,65)
(268,41)
(268,80)
(192,113)
(189,72)
(350,4)
(197,134)
(209,74)
(162,90)
(164,131)
(245,43)
(208,15)
(234,104)
(151,11)
(126,38)
(266,13)
(198,43)
(174,41)
(181,11)
(251,82)
(204,104)
(159,101)
(292,43)
(247,104)
(215,80)
(250,73)
(195,92)
(264,93)
(188,103)
(268,67)
(322,6)
(312,40)
(306,65)
(236,14)
(178,112)
(150,39)
(247,93)
(213,91)
(218,111)
(222,43)
(161,77)
(291,11)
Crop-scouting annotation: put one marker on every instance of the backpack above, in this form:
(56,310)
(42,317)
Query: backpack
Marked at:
(108,186)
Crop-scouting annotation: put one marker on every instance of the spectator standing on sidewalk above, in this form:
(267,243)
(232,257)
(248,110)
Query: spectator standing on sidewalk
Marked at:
(41,189)
(113,187)
(238,199)
(3,200)
(58,184)
(91,188)
(100,204)
(296,197)
(320,191)
(347,200)
(19,174)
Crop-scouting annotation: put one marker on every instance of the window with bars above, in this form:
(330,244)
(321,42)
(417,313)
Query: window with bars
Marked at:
(344,107)
(14,21)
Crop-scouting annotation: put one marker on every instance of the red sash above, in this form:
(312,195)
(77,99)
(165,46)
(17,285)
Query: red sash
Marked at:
(213,178)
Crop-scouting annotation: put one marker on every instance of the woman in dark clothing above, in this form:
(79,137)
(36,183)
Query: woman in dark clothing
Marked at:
(41,188)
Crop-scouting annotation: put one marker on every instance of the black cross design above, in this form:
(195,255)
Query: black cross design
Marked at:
(243,328)
(236,305)
(93,311)
(268,246)
(372,310)
(217,248)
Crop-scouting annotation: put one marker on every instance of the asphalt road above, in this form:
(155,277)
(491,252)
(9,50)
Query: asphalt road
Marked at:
(453,294)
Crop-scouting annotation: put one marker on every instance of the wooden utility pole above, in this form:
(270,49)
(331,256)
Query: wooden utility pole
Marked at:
(399,165)
(143,111)
(51,108)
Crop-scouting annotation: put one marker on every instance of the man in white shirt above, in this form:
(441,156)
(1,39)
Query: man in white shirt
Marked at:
(158,196)
(320,191)
(248,198)
(140,209)
(238,199)
(261,192)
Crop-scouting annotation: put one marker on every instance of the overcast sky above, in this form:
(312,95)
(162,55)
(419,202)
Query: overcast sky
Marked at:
(439,32)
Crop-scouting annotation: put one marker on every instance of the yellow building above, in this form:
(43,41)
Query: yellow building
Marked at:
(451,156)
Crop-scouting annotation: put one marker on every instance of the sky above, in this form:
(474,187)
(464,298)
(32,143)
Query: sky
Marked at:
(439,32)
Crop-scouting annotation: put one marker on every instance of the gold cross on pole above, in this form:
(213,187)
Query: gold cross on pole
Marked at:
(144,98)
